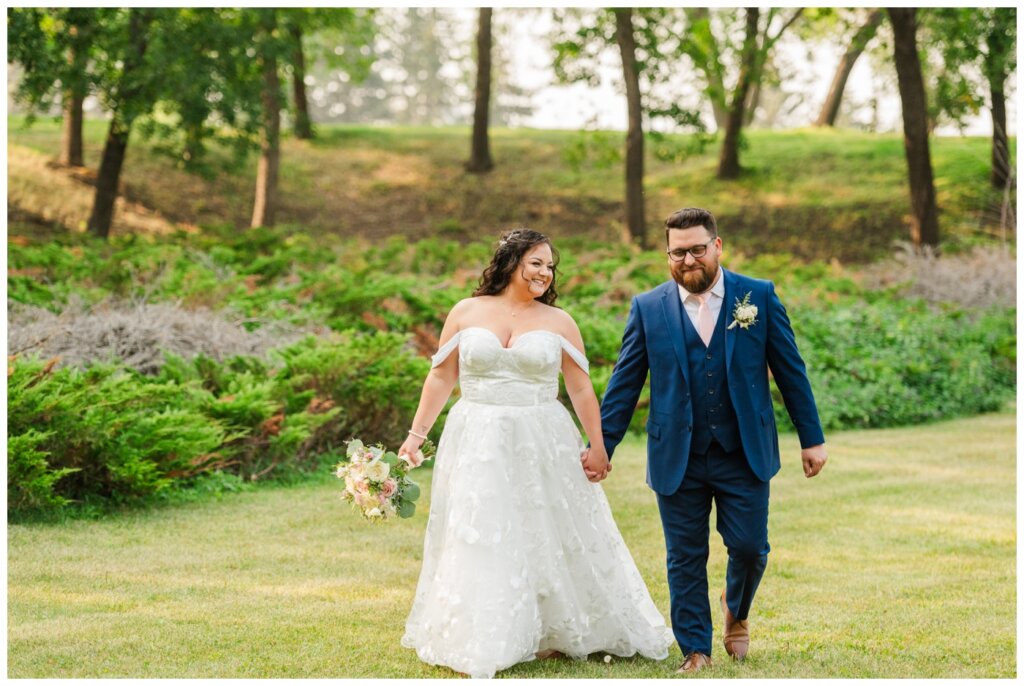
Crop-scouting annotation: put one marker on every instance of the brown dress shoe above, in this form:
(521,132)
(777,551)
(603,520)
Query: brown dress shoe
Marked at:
(737,633)
(694,663)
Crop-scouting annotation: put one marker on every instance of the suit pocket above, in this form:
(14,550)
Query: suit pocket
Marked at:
(653,430)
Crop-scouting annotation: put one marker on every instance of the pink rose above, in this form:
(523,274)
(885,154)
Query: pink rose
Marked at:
(388,488)
(362,485)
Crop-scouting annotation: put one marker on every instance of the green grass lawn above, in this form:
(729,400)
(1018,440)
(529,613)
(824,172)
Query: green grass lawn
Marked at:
(898,561)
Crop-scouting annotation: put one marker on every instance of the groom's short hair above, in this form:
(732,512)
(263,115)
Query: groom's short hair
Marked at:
(688,217)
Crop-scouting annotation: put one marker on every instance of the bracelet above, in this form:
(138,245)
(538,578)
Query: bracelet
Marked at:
(417,435)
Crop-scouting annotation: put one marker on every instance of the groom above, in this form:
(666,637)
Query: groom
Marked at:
(708,338)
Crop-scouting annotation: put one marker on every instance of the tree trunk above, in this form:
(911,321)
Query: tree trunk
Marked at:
(71,139)
(303,126)
(830,109)
(480,155)
(713,70)
(998,46)
(1000,144)
(924,228)
(109,176)
(753,101)
(729,156)
(635,133)
(102,215)
(73,98)
(265,206)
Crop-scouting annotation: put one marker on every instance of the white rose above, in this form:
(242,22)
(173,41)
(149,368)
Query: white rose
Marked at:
(746,312)
(377,471)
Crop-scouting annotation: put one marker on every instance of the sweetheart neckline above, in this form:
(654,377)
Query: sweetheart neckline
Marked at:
(518,338)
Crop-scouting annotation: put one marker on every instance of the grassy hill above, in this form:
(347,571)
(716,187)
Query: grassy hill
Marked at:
(816,194)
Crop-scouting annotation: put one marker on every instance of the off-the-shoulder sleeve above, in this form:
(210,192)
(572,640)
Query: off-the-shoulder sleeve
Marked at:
(442,354)
(578,357)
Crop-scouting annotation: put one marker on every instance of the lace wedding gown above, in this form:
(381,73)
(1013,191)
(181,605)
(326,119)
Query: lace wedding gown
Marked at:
(521,552)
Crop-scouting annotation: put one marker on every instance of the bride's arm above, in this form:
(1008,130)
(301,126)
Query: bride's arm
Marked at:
(437,388)
(584,402)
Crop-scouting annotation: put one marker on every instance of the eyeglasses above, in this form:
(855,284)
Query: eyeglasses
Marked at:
(698,251)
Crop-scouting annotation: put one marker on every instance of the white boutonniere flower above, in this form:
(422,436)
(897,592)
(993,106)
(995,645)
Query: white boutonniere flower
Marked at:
(744,314)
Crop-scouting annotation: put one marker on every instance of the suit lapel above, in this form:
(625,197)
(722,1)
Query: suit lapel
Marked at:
(728,304)
(673,309)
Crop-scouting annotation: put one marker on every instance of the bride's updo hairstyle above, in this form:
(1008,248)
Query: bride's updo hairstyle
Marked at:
(505,263)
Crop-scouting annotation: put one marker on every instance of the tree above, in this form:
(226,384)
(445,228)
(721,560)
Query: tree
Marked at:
(264,210)
(729,154)
(303,127)
(314,34)
(709,55)
(624,36)
(76,85)
(646,42)
(480,155)
(55,47)
(924,228)
(128,99)
(859,41)
(982,38)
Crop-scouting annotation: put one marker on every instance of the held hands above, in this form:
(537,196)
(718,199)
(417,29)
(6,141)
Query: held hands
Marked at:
(595,463)
(814,459)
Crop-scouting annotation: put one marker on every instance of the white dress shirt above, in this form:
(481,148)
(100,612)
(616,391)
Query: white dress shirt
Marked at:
(715,301)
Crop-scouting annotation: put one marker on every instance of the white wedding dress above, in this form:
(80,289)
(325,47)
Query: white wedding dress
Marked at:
(521,553)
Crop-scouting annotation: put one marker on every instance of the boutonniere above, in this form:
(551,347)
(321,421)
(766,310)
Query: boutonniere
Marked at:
(744,313)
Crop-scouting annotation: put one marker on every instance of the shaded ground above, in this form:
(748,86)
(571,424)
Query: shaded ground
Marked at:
(816,195)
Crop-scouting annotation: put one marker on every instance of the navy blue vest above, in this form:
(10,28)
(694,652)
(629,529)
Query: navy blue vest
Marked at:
(713,413)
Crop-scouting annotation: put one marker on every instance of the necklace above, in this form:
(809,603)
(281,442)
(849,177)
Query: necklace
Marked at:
(524,309)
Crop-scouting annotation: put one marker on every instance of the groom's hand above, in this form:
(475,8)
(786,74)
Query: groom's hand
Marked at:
(594,474)
(814,458)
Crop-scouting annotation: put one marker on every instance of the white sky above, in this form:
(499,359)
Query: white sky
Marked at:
(574,106)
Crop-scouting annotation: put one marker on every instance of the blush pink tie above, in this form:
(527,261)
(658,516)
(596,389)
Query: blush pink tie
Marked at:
(705,324)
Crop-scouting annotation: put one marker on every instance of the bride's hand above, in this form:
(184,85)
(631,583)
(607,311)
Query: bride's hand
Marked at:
(411,445)
(595,463)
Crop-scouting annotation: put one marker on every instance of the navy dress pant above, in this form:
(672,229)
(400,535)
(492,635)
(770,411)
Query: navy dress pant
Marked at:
(741,500)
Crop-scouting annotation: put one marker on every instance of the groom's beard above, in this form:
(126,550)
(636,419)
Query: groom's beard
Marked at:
(697,279)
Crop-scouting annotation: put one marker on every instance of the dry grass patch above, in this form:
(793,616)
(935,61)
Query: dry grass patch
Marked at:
(36,187)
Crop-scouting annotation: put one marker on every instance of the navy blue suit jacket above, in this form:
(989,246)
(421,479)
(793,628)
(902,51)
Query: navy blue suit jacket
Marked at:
(654,341)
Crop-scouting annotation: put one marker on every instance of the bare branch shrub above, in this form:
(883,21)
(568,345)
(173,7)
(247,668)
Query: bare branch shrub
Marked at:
(981,278)
(138,333)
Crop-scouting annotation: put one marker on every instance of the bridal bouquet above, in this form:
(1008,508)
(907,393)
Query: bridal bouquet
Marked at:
(377,481)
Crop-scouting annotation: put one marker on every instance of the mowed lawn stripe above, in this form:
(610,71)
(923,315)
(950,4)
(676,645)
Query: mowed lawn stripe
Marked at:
(898,561)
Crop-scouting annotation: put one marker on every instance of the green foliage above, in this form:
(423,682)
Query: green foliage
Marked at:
(112,435)
(892,363)
(372,381)
(874,358)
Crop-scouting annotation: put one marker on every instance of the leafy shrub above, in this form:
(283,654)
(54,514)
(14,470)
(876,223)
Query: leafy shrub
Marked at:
(897,362)
(227,414)
(111,434)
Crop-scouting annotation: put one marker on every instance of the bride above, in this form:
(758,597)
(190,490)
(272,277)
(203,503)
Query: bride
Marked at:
(522,558)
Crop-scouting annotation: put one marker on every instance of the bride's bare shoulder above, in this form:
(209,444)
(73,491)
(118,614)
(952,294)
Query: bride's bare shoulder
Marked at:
(466,308)
(560,321)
